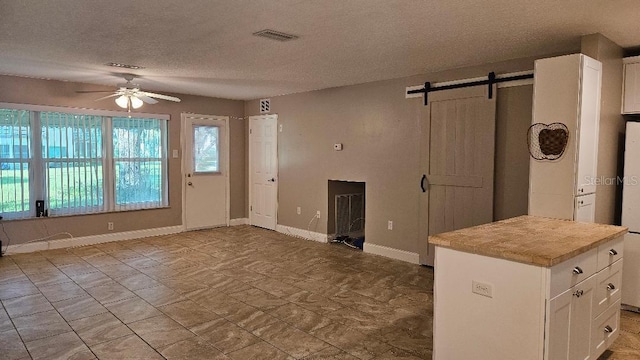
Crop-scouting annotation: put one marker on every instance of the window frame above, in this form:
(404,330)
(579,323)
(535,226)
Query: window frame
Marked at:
(37,179)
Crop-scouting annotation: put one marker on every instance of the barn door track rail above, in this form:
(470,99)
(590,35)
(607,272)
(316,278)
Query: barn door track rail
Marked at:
(491,79)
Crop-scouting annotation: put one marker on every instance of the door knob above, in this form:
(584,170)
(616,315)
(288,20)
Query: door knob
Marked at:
(190,183)
(272,180)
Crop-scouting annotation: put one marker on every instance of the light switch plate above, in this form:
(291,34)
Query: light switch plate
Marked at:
(175,153)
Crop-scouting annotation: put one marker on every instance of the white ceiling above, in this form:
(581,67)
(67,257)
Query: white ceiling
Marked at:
(205,47)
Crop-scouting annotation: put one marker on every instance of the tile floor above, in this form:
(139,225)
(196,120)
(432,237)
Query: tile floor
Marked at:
(229,293)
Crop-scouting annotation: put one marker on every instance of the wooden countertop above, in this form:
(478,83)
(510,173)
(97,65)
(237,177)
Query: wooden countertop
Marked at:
(529,239)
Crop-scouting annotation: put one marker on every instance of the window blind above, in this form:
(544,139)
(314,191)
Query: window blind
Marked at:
(72,161)
(15,160)
(139,158)
(80,163)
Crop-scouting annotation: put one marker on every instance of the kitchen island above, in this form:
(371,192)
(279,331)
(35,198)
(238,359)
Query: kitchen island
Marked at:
(527,288)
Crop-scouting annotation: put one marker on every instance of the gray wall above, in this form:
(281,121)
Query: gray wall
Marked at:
(513,118)
(612,124)
(380,132)
(57,93)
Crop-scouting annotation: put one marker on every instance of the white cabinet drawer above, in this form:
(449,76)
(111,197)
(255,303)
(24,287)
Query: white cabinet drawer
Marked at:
(605,329)
(573,271)
(608,287)
(610,252)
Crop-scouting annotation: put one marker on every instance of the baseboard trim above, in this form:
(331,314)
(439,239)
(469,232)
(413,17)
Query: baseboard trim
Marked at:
(238,221)
(302,233)
(406,256)
(92,239)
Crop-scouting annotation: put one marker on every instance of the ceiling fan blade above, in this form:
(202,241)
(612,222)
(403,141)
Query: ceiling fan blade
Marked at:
(106,97)
(92,91)
(145,98)
(159,96)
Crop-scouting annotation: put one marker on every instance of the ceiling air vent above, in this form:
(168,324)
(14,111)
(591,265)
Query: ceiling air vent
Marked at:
(265,106)
(275,35)
(124,66)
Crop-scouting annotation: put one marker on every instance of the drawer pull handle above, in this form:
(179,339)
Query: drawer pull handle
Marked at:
(577,270)
(608,329)
(610,287)
(613,252)
(578,293)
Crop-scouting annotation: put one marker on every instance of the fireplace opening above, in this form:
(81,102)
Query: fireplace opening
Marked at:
(346,212)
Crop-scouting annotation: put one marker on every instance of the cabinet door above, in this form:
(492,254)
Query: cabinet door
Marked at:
(588,124)
(582,300)
(559,318)
(585,208)
(631,103)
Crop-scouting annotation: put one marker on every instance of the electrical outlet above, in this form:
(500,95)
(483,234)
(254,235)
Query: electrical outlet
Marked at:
(318,214)
(298,210)
(390,225)
(483,289)
(110,225)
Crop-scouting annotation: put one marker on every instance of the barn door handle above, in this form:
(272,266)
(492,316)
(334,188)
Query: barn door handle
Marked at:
(424,177)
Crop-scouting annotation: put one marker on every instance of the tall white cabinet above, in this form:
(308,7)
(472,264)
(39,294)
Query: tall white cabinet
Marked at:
(567,90)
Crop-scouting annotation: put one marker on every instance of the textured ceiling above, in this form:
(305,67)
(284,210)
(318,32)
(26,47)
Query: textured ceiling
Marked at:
(205,47)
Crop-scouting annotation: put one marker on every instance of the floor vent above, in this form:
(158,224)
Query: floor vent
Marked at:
(349,214)
(265,106)
(275,35)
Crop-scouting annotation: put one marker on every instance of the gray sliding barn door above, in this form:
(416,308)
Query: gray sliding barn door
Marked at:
(457,163)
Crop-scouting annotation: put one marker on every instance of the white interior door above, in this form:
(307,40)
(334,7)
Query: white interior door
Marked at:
(206,171)
(458,163)
(263,171)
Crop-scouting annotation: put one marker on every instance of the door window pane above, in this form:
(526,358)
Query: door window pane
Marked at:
(206,155)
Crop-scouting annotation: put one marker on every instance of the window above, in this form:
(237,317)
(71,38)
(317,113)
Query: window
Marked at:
(72,161)
(89,162)
(139,157)
(15,128)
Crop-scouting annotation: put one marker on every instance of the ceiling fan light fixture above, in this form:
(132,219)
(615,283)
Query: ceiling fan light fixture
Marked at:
(122,101)
(135,102)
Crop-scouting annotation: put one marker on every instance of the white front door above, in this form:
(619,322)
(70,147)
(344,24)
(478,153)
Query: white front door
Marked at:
(263,171)
(205,171)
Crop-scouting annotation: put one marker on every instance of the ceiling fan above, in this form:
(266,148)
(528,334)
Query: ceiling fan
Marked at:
(129,95)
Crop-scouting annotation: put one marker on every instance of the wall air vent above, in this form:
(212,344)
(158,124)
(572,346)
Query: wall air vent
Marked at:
(125,66)
(265,106)
(275,35)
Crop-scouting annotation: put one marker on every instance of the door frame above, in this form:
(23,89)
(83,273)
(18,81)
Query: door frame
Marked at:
(249,163)
(183,162)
